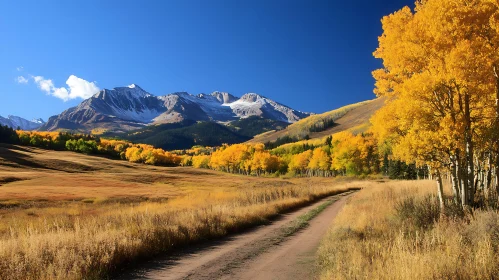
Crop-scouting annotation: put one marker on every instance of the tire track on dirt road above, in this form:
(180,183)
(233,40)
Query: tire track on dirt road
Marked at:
(284,249)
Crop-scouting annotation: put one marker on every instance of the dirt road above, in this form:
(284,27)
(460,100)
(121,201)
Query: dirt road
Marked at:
(267,252)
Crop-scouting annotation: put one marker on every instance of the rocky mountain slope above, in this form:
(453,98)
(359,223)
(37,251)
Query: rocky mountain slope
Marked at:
(129,108)
(18,122)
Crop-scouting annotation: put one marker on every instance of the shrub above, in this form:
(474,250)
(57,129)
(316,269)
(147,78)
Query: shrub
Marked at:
(81,146)
(418,213)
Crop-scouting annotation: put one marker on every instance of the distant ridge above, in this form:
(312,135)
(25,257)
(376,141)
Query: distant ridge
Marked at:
(18,122)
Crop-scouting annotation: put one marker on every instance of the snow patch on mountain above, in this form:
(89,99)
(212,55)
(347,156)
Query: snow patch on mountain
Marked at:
(132,106)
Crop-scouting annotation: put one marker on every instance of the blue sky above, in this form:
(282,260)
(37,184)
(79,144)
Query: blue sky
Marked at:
(310,55)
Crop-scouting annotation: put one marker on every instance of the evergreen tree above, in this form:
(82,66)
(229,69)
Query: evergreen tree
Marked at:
(8,135)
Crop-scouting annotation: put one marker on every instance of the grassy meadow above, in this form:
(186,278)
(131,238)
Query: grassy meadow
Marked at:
(394,230)
(65,215)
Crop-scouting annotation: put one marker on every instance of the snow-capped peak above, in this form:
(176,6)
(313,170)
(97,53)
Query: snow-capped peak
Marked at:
(252,97)
(39,120)
(135,91)
(130,106)
(224,97)
(132,87)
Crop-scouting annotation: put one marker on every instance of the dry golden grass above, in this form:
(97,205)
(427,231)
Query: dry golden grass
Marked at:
(70,216)
(35,174)
(369,241)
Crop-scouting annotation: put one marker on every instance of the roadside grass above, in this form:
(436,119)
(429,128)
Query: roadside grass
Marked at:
(393,231)
(279,235)
(89,239)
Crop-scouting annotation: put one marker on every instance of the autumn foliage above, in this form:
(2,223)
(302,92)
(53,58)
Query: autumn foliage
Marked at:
(440,74)
(90,144)
(341,154)
(149,155)
(244,158)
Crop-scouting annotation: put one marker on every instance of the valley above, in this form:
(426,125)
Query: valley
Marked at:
(90,215)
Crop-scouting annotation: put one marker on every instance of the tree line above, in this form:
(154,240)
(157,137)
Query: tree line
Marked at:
(338,155)
(89,144)
(322,125)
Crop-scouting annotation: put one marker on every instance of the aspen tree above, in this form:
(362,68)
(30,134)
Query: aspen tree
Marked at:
(440,62)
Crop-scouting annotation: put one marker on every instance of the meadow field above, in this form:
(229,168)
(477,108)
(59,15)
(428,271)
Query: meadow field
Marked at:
(395,230)
(65,215)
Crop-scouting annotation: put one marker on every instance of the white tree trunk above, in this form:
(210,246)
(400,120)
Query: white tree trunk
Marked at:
(470,171)
(440,189)
(454,179)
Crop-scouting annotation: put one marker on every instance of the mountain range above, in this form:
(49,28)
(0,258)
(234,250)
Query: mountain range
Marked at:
(181,120)
(128,108)
(18,122)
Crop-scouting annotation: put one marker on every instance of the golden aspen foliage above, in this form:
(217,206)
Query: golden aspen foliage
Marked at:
(299,162)
(440,73)
(201,161)
(244,158)
(133,154)
(186,160)
(320,162)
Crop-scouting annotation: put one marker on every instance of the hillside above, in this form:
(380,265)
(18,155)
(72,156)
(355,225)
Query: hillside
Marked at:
(255,125)
(182,135)
(351,117)
(188,133)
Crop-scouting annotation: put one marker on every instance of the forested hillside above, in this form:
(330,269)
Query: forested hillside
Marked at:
(182,135)
(188,133)
(255,125)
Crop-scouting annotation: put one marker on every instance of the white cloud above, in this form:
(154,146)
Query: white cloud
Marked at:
(45,85)
(81,88)
(77,88)
(20,68)
(21,80)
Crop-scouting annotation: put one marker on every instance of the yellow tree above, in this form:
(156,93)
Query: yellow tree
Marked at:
(201,161)
(320,162)
(263,161)
(348,153)
(133,154)
(299,162)
(439,75)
